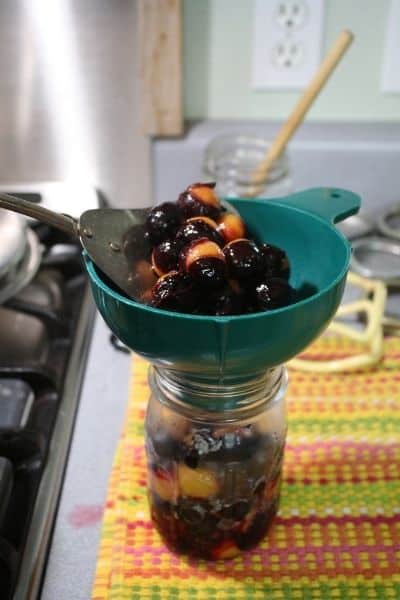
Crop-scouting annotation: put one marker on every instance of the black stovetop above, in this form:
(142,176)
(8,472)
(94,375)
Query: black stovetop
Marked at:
(44,333)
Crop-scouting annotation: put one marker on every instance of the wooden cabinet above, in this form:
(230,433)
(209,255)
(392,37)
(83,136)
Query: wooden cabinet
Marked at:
(160,70)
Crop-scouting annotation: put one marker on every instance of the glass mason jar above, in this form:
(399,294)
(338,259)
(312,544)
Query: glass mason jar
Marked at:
(230,161)
(214,459)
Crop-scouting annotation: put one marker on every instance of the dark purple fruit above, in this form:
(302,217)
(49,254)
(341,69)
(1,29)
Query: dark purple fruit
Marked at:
(272,293)
(227,302)
(164,258)
(198,227)
(192,513)
(306,290)
(162,222)
(204,261)
(198,445)
(174,291)
(200,200)
(201,443)
(236,511)
(256,530)
(227,445)
(243,448)
(166,446)
(243,259)
(275,262)
(192,458)
(208,273)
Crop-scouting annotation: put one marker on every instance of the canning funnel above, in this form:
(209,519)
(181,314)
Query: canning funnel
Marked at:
(232,348)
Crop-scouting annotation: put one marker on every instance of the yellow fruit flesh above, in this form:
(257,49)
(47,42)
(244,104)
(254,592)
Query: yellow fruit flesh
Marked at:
(203,249)
(207,220)
(196,483)
(227,550)
(231,227)
(205,195)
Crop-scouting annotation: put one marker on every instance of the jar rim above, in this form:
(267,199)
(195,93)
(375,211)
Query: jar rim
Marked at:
(195,398)
(223,145)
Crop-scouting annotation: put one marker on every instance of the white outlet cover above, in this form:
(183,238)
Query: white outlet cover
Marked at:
(390,80)
(287,41)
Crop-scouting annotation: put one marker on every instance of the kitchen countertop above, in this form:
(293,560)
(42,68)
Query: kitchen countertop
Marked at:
(73,552)
(361,157)
(103,402)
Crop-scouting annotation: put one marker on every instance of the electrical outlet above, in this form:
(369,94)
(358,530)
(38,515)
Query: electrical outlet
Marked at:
(291,14)
(287,42)
(287,54)
(390,81)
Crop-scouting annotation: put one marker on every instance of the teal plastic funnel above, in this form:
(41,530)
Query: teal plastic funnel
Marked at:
(232,348)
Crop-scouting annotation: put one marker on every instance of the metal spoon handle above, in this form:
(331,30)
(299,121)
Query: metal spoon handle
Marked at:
(64,222)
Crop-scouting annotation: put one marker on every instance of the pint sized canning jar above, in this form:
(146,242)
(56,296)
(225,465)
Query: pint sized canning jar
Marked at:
(214,459)
(230,161)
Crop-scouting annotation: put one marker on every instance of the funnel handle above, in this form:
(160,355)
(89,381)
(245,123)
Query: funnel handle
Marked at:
(331,204)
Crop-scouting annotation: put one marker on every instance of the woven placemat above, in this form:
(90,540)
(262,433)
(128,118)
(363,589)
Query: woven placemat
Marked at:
(337,535)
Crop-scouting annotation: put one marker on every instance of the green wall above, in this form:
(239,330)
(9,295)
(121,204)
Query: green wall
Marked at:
(217,58)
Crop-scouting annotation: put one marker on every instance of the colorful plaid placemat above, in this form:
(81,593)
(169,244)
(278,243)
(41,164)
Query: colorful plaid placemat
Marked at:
(337,535)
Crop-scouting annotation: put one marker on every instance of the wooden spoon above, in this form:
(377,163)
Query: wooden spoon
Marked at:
(260,174)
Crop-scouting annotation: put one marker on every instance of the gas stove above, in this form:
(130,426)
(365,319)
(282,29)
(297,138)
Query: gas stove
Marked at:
(45,330)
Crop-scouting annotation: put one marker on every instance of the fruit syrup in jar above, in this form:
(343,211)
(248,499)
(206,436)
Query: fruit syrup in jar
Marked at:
(214,460)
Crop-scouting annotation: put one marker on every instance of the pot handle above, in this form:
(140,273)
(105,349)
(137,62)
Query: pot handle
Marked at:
(331,204)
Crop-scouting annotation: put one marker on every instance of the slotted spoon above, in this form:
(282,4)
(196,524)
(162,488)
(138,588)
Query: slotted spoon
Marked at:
(111,237)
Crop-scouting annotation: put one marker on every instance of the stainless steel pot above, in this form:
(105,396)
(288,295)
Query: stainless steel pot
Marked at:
(20,254)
